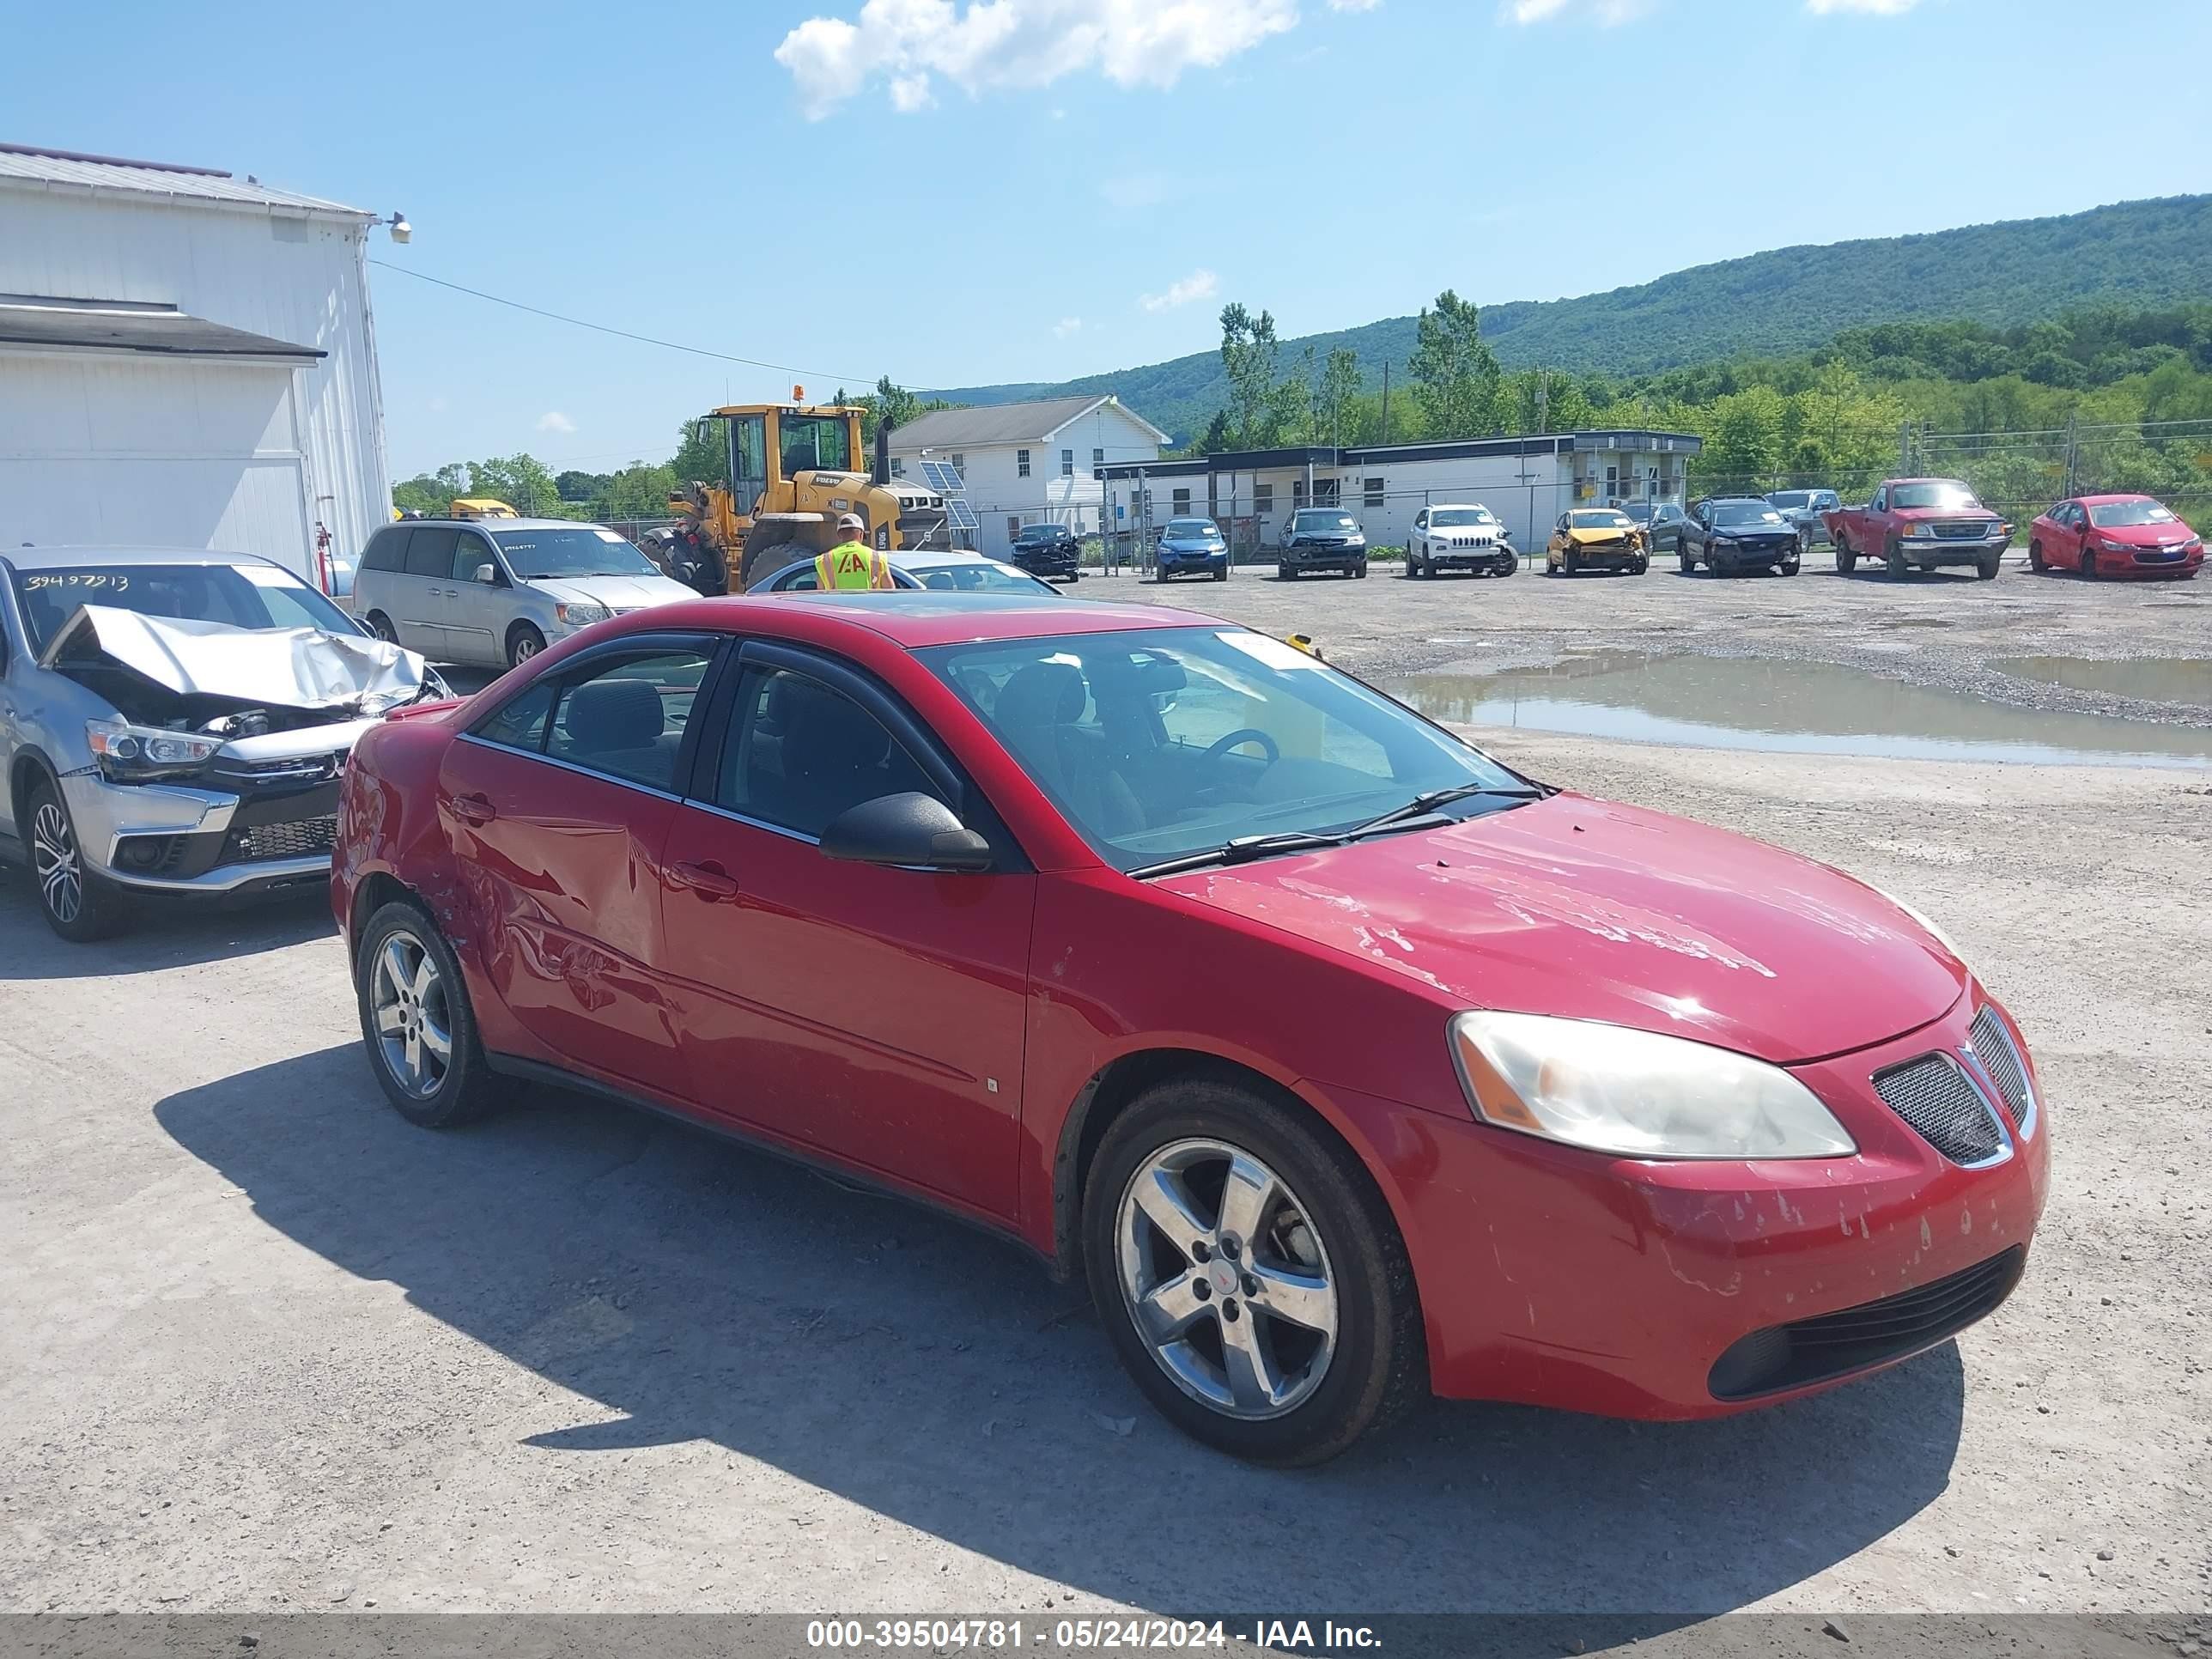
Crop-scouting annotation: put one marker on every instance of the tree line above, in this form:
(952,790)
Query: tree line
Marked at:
(1836,412)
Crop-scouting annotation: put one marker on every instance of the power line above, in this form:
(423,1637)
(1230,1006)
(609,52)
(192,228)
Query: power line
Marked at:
(623,333)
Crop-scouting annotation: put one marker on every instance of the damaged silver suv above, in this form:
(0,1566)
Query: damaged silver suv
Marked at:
(176,722)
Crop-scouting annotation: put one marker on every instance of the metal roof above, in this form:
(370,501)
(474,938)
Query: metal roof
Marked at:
(29,165)
(1007,423)
(159,332)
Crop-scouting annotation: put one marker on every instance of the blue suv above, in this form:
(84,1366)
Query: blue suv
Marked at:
(1193,547)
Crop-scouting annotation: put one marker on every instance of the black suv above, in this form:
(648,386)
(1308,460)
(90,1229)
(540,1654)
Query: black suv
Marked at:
(1049,550)
(1739,534)
(1322,538)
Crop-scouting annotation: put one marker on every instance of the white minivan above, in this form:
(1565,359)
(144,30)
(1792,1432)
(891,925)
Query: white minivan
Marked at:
(498,592)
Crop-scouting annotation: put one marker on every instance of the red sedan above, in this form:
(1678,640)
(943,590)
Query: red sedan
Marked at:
(2114,536)
(1347,1065)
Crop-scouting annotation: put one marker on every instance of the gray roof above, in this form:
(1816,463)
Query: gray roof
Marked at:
(36,557)
(29,165)
(161,330)
(1007,423)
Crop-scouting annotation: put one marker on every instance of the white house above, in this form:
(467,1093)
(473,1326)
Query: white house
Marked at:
(1030,462)
(185,359)
(1527,482)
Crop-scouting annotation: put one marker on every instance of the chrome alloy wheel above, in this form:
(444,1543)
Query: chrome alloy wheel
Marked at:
(1226,1278)
(54,862)
(413,1021)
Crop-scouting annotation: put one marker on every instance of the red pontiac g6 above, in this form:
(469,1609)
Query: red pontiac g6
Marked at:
(1346,1065)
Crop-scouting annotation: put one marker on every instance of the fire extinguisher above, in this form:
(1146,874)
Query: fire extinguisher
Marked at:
(323,556)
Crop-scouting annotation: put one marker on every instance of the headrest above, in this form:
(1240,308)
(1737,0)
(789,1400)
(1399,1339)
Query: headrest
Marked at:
(1042,694)
(605,716)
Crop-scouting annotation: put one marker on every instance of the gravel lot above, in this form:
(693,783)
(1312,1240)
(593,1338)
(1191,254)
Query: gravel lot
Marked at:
(269,1348)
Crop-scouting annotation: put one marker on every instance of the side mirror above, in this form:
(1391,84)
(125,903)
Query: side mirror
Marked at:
(487,573)
(912,831)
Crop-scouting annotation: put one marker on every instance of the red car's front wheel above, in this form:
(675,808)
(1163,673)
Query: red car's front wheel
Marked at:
(1249,1275)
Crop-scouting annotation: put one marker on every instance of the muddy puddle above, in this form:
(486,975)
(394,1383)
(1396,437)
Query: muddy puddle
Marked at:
(2185,680)
(1790,707)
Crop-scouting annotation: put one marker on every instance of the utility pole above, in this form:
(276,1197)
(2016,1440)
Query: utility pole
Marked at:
(1543,401)
(1386,404)
(1904,448)
(2072,454)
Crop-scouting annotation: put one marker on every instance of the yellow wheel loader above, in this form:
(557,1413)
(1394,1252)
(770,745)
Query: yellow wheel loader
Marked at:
(792,473)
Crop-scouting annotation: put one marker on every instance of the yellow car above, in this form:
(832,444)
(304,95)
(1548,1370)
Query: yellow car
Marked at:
(1596,539)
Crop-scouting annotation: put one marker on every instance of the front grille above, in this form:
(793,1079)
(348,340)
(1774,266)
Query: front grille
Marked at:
(1961,531)
(297,838)
(1822,1349)
(1935,1096)
(1993,1045)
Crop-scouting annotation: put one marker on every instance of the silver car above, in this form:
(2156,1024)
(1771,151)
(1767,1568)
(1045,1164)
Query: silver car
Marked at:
(176,722)
(1803,508)
(499,590)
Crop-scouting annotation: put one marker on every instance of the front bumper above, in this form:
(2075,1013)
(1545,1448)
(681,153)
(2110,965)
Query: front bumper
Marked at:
(1175,562)
(190,838)
(2144,562)
(1776,550)
(1555,1276)
(1603,558)
(1936,553)
(1483,555)
(1311,557)
(1047,564)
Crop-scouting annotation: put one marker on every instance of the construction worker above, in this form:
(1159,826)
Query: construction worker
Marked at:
(852,563)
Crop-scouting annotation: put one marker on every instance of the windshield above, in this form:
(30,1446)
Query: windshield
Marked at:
(1640,513)
(1788,499)
(1042,532)
(1155,743)
(240,595)
(1943,495)
(586,550)
(1599,520)
(1190,530)
(1733,513)
(979,576)
(1308,519)
(1447,518)
(2118,515)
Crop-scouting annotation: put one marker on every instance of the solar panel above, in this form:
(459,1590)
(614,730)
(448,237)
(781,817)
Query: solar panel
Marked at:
(963,515)
(942,476)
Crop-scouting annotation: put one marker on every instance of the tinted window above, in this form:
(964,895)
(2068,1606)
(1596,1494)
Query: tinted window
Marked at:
(471,550)
(586,550)
(521,724)
(628,718)
(387,551)
(1746,513)
(801,752)
(430,553)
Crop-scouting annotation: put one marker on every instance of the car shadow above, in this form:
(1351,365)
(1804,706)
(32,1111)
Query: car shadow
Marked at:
(161,933)
(935,1376)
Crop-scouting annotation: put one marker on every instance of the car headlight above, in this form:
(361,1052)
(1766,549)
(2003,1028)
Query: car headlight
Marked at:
(133,754)
(579,613)
(1635,1094)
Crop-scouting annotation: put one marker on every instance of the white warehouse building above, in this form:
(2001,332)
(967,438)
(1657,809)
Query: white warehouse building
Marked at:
(1030,462)
(185,360)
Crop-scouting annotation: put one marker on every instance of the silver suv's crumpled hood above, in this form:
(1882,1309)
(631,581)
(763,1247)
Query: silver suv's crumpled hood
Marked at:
(620,594)
(281,667)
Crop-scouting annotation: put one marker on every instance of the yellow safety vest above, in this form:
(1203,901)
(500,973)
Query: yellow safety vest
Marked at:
(852,565)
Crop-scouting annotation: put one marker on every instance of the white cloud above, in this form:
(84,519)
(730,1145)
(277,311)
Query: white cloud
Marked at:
(1068,325)
(1199,285)
(1604,12)
(553,421)
(1353,5)
(1864,8)
(989,46)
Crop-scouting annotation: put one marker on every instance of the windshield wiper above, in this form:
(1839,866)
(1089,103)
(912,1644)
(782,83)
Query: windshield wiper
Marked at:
(1418,814)
(1422,806)
(1240,850)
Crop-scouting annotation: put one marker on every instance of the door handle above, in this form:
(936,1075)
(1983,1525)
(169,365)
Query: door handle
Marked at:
(474,809)
(709,880)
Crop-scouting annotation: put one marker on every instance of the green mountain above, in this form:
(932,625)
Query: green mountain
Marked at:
(2135,254)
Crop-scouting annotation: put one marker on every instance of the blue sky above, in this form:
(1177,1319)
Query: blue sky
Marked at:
(1037,189)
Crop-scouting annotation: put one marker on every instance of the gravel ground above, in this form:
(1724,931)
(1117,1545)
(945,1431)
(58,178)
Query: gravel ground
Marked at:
(268,1348)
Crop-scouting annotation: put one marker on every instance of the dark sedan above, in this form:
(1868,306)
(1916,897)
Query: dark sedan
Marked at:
(1735,534)
(1049,550)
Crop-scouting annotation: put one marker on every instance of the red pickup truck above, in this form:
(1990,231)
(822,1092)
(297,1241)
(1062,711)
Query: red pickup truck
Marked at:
(1919,524)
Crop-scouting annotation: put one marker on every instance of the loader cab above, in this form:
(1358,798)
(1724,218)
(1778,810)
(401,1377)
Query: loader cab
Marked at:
(768,446)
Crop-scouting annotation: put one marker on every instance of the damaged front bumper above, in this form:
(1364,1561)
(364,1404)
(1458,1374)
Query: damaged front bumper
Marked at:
(262,815)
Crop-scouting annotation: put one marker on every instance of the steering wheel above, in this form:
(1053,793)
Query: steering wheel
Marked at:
(1243,735)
